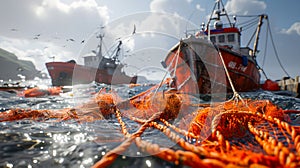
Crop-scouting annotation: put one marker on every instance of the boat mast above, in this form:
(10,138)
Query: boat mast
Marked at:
(218,12)
(99,53)
(260,22)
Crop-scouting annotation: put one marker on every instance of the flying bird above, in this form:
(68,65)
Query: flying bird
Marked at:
(37,36)
(82,41)
(71,40)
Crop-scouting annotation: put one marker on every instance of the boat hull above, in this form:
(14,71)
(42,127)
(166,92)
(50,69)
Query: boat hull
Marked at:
(197,67)
(67,74)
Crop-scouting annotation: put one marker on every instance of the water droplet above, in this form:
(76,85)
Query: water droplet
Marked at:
(148,163)
(61,160)
(9,165)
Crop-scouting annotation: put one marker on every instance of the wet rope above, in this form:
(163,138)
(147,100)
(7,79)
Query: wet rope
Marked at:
(235,93)
(168,69)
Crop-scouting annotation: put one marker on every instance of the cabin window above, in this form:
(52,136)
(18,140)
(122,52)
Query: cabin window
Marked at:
(221,38)
(230,37)
(213,39)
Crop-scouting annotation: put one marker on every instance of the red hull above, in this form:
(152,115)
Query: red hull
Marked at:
(65,73)
(199,67)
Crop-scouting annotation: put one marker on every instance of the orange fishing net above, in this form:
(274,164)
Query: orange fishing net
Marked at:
(236,133)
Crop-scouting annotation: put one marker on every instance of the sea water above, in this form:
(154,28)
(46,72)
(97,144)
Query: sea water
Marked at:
(27,143)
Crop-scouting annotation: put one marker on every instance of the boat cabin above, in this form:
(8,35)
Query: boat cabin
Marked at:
(225,37)
(229,37)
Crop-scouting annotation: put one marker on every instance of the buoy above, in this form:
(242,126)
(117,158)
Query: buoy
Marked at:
(37,92)
(270,85)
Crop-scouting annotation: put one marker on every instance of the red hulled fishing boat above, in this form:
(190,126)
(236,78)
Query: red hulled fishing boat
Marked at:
(98,68)
(204,58)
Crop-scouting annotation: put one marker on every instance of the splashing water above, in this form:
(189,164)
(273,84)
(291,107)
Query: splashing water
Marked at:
(27,143)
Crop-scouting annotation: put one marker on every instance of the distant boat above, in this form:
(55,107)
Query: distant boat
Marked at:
(98,68)
(12,87)
(197,59)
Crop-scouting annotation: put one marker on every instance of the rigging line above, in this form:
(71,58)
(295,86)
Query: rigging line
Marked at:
(265,51)
(249,21)
(176,62)
(276,54)
(244,15)
(226,14)
(177,56)
(189,20)
(249,26)
(208,24)
(251,39)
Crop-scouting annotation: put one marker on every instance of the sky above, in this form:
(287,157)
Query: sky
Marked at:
(61,30)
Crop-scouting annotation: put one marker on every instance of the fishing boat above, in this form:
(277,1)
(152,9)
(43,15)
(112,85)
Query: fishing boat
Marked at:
(98,68)
(212,57)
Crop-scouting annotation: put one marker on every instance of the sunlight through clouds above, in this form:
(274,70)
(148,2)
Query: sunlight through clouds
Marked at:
(42,29)
(40,11)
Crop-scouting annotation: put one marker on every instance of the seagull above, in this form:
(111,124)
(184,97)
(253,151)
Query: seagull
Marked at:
(37,36)
(71,40)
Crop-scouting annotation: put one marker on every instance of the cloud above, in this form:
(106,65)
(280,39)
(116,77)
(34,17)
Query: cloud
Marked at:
(179,7)
(47,7)
(245,7)
(30,17)
(295,28)
(36,30)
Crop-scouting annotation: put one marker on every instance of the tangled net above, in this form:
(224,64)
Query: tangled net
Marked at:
(235,133)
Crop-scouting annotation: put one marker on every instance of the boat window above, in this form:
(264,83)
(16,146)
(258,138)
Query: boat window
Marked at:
(221,38)
(213,39)
(230,37)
